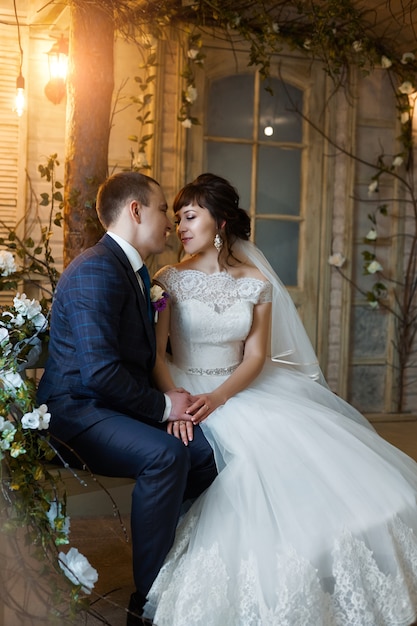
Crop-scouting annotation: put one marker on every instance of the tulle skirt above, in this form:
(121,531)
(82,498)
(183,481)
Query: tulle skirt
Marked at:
(312,520)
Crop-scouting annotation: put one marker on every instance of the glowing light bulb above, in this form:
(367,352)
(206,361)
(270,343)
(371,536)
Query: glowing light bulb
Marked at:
(20,95)
(268,131)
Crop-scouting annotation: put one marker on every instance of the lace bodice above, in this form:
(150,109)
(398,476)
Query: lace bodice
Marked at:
(211,316)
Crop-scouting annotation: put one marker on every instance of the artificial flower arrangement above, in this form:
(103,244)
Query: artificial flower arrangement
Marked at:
(159,299)
(33,497)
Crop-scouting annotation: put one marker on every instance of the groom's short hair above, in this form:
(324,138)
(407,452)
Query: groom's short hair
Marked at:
(117,190)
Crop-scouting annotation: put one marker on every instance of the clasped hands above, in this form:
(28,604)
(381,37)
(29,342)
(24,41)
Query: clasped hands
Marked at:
(186,412)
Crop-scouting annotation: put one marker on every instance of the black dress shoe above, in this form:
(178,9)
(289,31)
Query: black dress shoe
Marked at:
(135,608)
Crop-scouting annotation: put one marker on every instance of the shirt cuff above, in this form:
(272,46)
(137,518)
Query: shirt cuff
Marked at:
(168,406)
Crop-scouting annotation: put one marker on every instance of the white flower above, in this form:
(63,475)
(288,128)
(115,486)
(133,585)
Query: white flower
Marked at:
(374,267)
(336,259)
(7,264)
(407,56)
(187,123)
(37,419)
(77,568)
(11,380)
(357,46)
(398,160)
(54,513)
(405,116)
(140,161)
(4,335)
(29,309)
(24,306)
(275,27)
(373,186)
(385,62)
(192,53)
(7,435)
(406,87)
(156,293)
(374,304)
(307,44)
(191,94)
(372,235)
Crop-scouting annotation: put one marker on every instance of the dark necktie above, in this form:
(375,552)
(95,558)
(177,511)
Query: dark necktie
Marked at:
(144,274)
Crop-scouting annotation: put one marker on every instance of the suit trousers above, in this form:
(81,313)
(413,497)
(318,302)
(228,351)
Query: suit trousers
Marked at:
(166,472)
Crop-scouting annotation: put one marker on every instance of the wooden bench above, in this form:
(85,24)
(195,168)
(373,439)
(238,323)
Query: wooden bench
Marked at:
(89,495)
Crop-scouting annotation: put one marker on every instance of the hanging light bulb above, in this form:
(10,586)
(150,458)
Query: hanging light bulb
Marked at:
(20,95)
(20,81)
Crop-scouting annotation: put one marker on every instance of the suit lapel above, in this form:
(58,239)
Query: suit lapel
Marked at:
(111,244)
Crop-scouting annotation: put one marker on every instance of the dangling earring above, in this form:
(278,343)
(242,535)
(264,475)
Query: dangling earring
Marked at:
(218,242)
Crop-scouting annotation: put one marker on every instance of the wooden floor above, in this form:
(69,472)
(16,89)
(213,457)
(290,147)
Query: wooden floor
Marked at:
(102,540)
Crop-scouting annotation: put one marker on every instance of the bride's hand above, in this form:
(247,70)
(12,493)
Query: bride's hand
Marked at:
(201,408)
(181,430)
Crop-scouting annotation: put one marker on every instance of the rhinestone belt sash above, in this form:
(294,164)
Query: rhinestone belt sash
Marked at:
(216,371)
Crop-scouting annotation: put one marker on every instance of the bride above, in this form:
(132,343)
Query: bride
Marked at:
(312,519)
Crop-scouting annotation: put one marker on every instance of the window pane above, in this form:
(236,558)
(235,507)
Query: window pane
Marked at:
(234,162)
(230,107)
(279,242)
(277,111)
(278,181)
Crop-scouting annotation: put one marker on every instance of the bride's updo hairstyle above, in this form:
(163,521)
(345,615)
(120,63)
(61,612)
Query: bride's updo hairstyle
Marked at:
(221,199)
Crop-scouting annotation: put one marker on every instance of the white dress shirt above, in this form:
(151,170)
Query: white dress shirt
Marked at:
(136,262)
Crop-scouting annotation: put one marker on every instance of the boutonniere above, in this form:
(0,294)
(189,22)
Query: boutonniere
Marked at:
(159,299)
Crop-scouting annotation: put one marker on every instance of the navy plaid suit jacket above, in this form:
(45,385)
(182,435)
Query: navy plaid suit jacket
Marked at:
(102,345)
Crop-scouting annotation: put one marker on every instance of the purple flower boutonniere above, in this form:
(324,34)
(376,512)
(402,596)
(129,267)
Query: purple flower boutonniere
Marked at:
(159,299)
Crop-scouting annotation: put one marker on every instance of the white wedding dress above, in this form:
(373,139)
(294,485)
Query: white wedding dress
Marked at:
(312,520)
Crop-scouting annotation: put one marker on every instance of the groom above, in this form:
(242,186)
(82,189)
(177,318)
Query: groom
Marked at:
(97,380)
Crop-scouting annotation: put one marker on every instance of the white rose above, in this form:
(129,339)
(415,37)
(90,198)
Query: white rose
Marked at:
(191,94)
(37,419)
(30,420)
(192,53)
(373,186)
(7,263)
(385,62)
(156,293)
(357,46)
(44,417)
(405,116)
(372,235)
(187,123)
(11,380)
(407,56)
(374,304)
(4,334)
(25,306)
(77,568)
(307,44)
(336,259)
(374,267)
(406,87)
(397,161)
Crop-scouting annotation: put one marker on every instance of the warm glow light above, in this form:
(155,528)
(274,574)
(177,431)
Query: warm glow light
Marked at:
(58,65)
(55,88)
(268,131)
(20,95)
